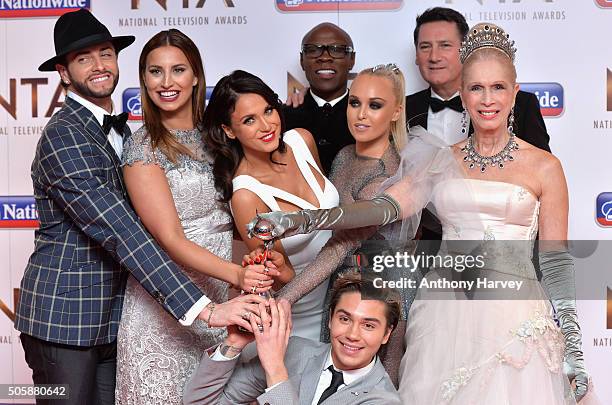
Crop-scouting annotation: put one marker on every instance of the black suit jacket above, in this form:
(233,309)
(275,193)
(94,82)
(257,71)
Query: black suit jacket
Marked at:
(528,122)
(329,129)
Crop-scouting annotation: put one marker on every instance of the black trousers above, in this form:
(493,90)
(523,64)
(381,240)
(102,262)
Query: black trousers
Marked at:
(88,371)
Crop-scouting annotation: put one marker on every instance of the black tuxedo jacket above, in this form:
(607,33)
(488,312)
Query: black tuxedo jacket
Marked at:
(528,122)
(329,129)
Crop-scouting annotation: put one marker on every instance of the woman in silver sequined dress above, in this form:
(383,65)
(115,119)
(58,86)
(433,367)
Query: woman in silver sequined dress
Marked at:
(171,186)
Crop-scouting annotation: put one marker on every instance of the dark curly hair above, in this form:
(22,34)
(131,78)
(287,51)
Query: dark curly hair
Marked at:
(228,152)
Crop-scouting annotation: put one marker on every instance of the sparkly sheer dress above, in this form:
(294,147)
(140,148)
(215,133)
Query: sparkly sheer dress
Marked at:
(156,355)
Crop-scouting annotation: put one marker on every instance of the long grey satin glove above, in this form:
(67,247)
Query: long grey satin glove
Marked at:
(379,211)
(558,280)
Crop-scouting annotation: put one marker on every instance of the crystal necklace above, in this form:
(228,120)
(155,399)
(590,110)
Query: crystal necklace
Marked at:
(474,158)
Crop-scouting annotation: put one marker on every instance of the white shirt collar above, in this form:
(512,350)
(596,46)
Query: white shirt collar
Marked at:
(350,376)
(320,102)
(97,111)
(436,95)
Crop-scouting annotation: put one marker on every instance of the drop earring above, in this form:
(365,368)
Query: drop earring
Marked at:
(464,122)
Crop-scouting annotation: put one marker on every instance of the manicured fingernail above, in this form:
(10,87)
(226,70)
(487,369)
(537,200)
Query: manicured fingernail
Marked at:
(251,262)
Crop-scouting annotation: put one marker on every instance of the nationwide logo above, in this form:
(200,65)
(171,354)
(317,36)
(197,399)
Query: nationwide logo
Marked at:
(18,212)
(131,103)
(133,106)
(604,3)
(39,8)
(345,5)
(550,97)
(603,207)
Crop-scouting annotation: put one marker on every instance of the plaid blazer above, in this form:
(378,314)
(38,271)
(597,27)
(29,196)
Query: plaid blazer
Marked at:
(73,286)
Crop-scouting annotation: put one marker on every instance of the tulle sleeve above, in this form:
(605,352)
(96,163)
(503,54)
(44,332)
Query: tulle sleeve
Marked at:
(426,163)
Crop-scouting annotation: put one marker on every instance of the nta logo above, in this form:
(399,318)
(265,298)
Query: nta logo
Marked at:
(164,3)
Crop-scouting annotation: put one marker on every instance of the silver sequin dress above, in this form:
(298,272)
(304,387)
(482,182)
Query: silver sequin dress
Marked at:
(156,355)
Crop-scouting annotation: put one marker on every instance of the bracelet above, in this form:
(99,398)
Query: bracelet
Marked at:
(212,308)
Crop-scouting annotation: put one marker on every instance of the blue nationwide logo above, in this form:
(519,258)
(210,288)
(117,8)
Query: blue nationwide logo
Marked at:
(39,8)
(132,103)
(18,212)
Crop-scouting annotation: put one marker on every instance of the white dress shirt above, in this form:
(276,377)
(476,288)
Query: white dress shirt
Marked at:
(446,124)
(320,102)
(349,376)
(114,138)
(116,142)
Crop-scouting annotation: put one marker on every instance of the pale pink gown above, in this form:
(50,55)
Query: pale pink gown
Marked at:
(492,351)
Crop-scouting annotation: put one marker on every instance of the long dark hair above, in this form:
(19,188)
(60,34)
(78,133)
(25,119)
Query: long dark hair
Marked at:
(228,152)
(161,138)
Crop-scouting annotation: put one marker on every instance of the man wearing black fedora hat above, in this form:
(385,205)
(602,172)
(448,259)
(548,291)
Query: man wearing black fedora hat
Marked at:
(72,288)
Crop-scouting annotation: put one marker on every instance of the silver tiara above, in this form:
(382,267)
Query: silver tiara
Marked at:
(389,66)
(486,35)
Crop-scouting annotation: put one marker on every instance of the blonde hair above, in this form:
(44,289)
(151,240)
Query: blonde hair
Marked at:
(390,71)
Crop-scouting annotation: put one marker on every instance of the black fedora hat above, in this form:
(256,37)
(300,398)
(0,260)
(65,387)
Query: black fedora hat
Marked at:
(77,30)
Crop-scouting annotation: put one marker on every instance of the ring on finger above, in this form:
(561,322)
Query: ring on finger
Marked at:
(253,289)
(246,315)
(266,270)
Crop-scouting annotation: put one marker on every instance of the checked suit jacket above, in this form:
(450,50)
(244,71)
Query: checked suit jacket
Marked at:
(89,240)
(232,382)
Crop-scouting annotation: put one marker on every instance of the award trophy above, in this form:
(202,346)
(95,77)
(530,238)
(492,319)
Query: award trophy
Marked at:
(263,231)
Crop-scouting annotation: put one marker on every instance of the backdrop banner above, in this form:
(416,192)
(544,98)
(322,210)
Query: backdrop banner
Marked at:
(563,58)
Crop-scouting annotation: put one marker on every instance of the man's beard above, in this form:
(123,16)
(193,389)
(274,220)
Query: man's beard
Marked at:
(82,89)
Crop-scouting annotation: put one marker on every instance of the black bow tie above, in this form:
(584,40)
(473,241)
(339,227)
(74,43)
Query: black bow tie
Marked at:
(438,105)
(327,109)
(115,121)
